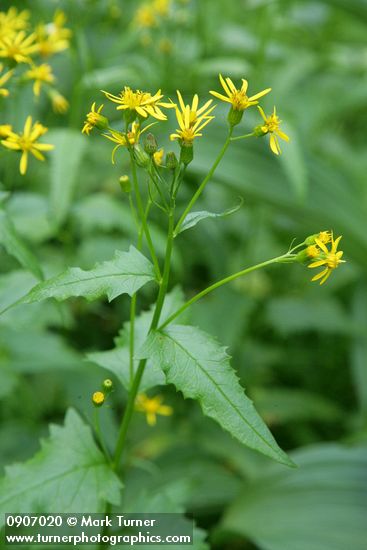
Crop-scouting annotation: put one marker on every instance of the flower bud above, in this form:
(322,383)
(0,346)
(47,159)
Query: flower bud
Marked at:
(107,386)
(142,159)
(258,131)
(187,153)
(234,117)
(150,144)
(125,184)
(98,398)
(171,161)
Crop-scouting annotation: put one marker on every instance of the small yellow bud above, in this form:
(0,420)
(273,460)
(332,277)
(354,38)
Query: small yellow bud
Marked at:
(171,161)
(259,131)
(98,398)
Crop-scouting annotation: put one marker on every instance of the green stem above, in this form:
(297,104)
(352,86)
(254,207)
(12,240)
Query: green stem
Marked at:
(286,258)
(140,370)
(133,299)
(204,182)
(97,429)
(139,203)
(242,137)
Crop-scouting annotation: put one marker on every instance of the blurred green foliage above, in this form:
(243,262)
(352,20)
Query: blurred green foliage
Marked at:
(300,349)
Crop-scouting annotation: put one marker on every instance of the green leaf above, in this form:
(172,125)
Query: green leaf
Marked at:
(68,474)
(125,273)
(15,246)
(65,162)
(195,217)
(199,367)
(117,360)
(319,506)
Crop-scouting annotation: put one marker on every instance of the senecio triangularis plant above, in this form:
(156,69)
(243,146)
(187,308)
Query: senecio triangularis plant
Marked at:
(158,349)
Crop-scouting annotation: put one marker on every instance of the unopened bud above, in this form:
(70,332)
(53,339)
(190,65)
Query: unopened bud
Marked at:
(150,144)
(142,159)
(107,386)
(125,184)
(171,161)
(258,131)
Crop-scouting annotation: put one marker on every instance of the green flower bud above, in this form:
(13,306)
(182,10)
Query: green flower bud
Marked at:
(258,131)
(150,144)
(234,117)
(107,386)
(171,161)
(187,153)
(125,184)
(142,159)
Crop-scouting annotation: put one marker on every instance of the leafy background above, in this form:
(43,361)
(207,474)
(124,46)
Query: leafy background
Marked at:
(300,350)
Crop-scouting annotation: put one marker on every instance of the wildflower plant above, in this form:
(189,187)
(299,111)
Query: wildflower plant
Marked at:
(25,49)
(159,348)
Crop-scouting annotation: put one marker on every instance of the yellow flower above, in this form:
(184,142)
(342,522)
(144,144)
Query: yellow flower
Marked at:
(151,407)
(143,103)
(18,47)
(59,103)
(158,156)
(328,258)
(145,17)
(12,21)
(3,80)
(161,7)
(54,37)
(271,126)
(237,97)
(5,130)
(312,251)
(122,140)
(27,142)
(188,131)
(195,113)
(94,118)
(325,236)
(98,398)
(40,74)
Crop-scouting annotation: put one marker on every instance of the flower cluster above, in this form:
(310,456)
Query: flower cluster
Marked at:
(22,45)
(317,254)
(22,48)
(99,397)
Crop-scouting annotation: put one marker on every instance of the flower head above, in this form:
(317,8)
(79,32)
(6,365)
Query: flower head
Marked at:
(26,142)
(124,140)
(191,119)
(271,126)
(328,258)
(19,47)
(40,74)
(139,103)
(54,37)
(94,118)
(158,157)
(237,97)
(151,407)
(4,92)
(59,103)
(13,21)
(98,398)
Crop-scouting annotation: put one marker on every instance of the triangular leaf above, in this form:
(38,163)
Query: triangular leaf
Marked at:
(15,246)
(198,366)
(195,217)
(68,474)
(125,273)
